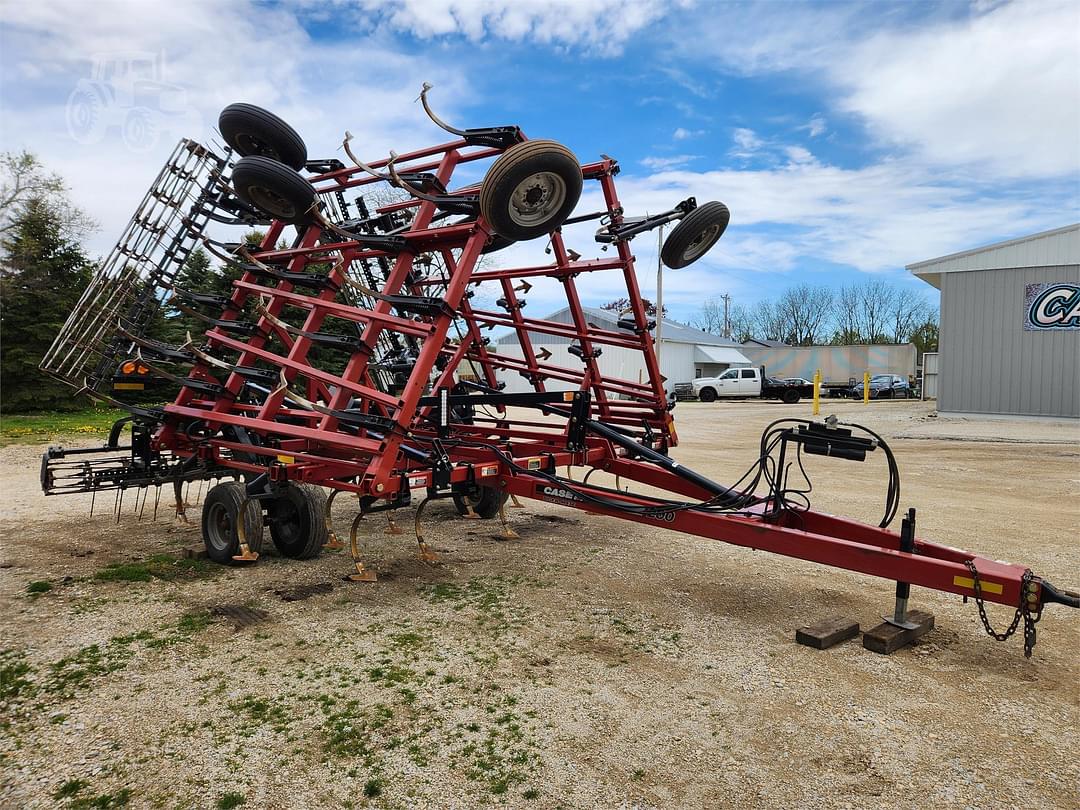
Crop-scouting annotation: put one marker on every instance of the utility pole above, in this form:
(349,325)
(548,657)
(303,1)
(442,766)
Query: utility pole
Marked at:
(727,315)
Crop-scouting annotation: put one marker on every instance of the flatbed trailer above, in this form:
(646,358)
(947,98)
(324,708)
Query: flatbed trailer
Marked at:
(351,356)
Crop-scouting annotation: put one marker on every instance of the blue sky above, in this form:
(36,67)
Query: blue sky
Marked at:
(847,139)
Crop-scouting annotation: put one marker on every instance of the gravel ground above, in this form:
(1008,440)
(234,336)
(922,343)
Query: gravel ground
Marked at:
(590,663)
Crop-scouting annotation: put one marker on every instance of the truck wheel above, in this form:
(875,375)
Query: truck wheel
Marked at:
(298,521)
(219,520)
(531,189)
(251,130)
(707,395)
(274,188)
(790,397)
(695,234)
(485,502)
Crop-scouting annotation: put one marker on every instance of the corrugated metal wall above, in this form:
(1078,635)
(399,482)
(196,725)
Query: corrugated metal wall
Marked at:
(989,363)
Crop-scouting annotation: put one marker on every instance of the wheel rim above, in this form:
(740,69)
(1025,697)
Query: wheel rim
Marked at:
(219,527)
(700,244)
(537,198)
(271,202)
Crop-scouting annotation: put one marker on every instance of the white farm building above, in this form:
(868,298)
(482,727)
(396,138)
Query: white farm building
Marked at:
(685,353)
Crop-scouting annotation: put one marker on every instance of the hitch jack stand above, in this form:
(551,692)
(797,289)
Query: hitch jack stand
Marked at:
(904,626)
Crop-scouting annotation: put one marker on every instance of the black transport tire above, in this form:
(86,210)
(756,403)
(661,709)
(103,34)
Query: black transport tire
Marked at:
(485,502)
(530,190)
(790,397)
(298,521)
(707,395)
(273,188)
(695,234)
(219,521)
(251,130)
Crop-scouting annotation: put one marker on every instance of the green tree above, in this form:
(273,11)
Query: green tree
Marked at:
(43,271)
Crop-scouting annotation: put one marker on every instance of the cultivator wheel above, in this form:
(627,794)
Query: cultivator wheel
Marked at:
(297,521)
(354,353)
(531,190)
(251,130)
(274,189)
(228,538)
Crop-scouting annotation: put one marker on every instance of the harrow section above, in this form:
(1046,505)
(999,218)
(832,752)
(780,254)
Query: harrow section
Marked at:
(354,353)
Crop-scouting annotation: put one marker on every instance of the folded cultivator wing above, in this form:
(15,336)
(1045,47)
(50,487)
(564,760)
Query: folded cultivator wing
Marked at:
(354,353)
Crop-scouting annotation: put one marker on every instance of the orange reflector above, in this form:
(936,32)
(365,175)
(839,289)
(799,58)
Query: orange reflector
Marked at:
(128,367)
(568,396)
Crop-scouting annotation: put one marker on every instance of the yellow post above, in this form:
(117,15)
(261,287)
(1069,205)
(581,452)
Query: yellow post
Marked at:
(866,388)
(817,392)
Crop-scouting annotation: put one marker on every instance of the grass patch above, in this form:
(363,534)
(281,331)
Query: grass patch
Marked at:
(159,566)
(13,671)
(106,801)
(38,587)
(44,427)
(70,788)
(373,788)
(230,800)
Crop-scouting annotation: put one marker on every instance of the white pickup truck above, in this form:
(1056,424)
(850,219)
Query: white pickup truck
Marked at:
(749,382)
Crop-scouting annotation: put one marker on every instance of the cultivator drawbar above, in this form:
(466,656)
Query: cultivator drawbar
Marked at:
(353,354)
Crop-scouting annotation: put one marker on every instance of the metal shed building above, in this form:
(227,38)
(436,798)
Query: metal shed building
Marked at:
(1010,326)
(685,352)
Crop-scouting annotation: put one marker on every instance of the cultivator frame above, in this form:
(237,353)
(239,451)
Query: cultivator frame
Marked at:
(404,393)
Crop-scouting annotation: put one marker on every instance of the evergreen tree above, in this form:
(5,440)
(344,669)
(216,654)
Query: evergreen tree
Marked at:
(42,274)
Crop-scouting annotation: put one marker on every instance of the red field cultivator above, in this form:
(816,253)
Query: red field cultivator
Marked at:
(353,354)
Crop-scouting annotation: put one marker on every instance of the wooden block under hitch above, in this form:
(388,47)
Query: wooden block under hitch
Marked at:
(888,638)
(827,633)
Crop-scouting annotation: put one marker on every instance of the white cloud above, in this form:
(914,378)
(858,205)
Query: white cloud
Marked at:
(995,88)
(670,162)
(600,25)
(815,126)
(746,142)
(682,134)
(216,54)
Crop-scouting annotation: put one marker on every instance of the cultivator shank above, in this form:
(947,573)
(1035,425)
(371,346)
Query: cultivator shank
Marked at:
(354,352)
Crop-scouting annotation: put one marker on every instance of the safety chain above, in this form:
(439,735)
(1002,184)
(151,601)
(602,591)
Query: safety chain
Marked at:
(1026,590)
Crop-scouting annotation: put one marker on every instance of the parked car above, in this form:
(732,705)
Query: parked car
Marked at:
(747,383)
(798,381)
(884,386)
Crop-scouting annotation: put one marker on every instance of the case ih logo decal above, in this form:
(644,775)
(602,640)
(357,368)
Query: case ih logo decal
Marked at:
(552,494)
(1052,306)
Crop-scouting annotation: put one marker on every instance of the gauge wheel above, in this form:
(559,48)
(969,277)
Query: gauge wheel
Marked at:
(530,190)
(695,234)
(251,130)
(219,521)
(274,188)
(298,521)
(485,502)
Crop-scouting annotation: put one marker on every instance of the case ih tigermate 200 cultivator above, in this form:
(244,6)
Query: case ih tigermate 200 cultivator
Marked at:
(350,355)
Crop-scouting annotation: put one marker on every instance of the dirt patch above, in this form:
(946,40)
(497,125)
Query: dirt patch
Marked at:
(590,663)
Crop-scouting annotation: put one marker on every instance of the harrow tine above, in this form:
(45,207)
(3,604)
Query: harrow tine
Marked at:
(426,554)
(334,542)
(146,493)
(93,497)
(361,574)
(157,499)
(118,503)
